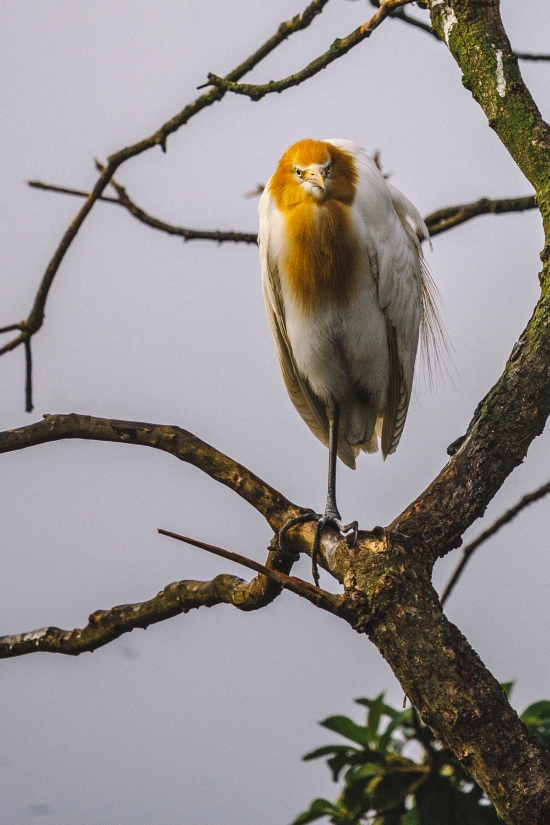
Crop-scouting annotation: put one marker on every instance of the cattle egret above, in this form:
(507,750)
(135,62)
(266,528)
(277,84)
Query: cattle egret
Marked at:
(346,290)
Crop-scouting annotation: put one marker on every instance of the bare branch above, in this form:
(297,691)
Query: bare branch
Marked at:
(34,321)
(185,446)
(528,56)
(437,222)
(444,219)
(414,21)
(124,200)
(320,598)
(505,518)
(28,376)
(105,626)
(338,49)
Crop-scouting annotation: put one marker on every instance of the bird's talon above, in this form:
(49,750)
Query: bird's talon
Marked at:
(293,522)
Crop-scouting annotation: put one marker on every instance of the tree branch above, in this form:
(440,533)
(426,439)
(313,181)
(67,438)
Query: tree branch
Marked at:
(124,200)
(477,40)
(505,518)
(528,56)
(339,48)
(414,21)
(30,326)
(515,411)
(445,219)
(320,598)
(273,506)
(104,626)
(437,222)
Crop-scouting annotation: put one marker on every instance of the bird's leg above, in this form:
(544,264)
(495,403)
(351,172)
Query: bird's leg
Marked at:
(331,516)
(333,415)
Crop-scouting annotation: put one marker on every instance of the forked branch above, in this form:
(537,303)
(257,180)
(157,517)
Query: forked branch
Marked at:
(125,201)
(30,326)
(104,626)
(339,48)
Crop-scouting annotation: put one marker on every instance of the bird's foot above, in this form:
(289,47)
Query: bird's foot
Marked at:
(286,527)
(328,519)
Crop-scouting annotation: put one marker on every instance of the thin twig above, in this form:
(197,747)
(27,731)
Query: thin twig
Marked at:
(320,598)
(28,376)
(36,317)
(10,328)
(125,201)
(338,49)
(414,21)
(505,518)
(528,56)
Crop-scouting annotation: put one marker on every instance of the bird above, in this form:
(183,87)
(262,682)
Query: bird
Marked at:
(347,295)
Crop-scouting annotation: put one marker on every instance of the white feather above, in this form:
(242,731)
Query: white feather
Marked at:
(363,355)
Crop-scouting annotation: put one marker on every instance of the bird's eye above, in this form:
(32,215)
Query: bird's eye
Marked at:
(299,172)
(327,169)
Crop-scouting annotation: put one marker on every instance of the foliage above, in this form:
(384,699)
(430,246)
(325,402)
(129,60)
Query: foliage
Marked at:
(397,772)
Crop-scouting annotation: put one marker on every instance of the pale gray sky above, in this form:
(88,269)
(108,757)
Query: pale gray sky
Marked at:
(203,719)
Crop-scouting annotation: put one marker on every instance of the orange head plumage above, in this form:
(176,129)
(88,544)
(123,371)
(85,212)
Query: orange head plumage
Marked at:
(314,187)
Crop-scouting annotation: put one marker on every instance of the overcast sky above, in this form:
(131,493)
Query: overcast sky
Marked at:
(204,718)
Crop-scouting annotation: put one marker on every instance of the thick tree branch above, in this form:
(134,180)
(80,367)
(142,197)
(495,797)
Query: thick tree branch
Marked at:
(340,47)
(477,40)
(515,411)
(30,326)
(505,423)
(505,518)
(401,14)
(273,506)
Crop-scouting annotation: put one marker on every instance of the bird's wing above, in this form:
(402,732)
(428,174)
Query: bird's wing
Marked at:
(271,239)
(392,229)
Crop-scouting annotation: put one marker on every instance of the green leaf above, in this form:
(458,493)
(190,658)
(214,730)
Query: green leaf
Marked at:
(317,809)
(392,791)
(507,687)
(537,715)
(348,728)
(337,764)
(329,749)
(387,709)
(411,818)
(374,715)
(400,721)
(440,803)
(537,718)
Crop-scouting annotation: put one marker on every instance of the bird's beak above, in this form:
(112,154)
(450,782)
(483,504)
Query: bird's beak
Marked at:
(315,177)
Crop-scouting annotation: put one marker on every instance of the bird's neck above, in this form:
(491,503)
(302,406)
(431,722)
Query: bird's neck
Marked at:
(320,265)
